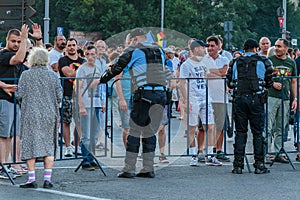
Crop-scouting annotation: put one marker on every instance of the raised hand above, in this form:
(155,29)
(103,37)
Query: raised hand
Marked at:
(24,31)
(36,31)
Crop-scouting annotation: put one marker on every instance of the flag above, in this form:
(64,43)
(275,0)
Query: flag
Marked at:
(160,38)
(150,37)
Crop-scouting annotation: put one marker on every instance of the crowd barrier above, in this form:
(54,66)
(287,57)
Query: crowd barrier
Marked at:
(176,143)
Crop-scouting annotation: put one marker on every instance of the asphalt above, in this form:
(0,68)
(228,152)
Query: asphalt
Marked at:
(175,180)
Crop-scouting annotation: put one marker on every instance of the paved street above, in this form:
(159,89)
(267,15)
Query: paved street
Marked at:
(176,180)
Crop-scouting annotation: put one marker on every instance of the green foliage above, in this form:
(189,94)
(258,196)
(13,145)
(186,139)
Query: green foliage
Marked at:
(194,18)
(107,17)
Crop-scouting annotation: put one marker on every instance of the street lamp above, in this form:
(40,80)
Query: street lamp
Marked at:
(284,21)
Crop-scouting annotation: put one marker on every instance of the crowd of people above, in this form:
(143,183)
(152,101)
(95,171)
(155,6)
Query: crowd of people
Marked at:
(150,82)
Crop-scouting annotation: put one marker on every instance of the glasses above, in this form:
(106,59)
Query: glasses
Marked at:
(102,47)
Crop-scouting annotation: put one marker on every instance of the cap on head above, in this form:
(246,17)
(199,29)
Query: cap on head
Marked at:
(137,32)
(197,43)
(168,50)
(250,44)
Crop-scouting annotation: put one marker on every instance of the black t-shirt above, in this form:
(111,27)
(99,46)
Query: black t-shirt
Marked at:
(73,64)
(9,71)
(297,60)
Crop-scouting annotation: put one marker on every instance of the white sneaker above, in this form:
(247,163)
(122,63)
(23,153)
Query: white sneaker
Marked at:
(3,175)
(14,172)
(213,161)
(78,150)
(69,151)
(100,146)
(194,161)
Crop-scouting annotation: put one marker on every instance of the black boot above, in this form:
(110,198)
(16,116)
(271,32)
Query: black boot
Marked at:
(132,150)
(148,158)
(260,168)
(238,164)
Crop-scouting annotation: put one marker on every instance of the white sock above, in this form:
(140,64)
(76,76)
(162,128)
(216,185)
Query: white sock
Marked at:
(210,150)
(193,151)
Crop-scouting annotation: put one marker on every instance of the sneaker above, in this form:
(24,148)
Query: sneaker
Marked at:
(69,151)
(194,161)
(298,158)
(221,156)
(3,175)
(281,159)
(94,164)
(78,150)
(14,172)
(213,161)
(163,158)
(22,170)
(100,146)
(268,159)
(201,157)
(88,167)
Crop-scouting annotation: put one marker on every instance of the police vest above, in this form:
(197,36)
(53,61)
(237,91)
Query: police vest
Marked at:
(156,72)
(247,79)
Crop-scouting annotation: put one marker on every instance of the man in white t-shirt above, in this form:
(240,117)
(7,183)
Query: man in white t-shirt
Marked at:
(223,52)
(217,90)
(198,103)
(56,53)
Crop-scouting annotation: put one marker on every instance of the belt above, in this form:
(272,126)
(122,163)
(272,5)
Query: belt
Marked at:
(152,88)
(249,94)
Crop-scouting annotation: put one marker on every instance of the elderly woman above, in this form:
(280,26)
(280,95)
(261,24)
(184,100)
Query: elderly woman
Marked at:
(40,93)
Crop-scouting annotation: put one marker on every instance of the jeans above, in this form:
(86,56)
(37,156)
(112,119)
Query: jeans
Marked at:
(90,128)
(275,120)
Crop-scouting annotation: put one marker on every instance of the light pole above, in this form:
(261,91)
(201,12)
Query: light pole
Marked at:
(46,22)
(162,15)
(284,21)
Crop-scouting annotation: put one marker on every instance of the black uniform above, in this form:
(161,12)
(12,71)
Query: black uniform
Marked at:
(249,76)
(149,80)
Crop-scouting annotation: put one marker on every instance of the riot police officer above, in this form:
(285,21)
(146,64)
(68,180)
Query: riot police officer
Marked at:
(149,75)
(250,76)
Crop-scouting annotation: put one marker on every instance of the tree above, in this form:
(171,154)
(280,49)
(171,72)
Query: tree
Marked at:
(108,17)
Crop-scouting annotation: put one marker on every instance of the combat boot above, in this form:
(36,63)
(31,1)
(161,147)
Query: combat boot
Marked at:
(260,168)
(238,164)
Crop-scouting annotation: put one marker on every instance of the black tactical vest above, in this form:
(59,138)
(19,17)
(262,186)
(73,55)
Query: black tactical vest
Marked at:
(247,80)
(156,69)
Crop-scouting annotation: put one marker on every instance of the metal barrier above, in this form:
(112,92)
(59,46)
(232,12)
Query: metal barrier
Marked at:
(176,144)
(177,128)
(13,159)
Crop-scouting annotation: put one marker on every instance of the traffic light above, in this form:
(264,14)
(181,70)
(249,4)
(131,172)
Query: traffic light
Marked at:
(288,35)
(14,13)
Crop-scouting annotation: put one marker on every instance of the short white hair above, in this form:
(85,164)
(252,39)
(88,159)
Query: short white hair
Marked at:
(38,57)
(271,51)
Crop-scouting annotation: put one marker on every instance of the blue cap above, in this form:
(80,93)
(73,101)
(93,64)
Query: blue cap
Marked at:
(197,43)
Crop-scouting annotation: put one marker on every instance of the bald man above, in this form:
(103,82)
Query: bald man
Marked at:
(264,45)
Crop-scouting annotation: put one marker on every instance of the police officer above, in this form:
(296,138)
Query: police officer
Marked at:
(249,76)
(146,63)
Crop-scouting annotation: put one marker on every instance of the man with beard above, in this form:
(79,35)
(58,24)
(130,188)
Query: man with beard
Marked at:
(57,52)
(67,67)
